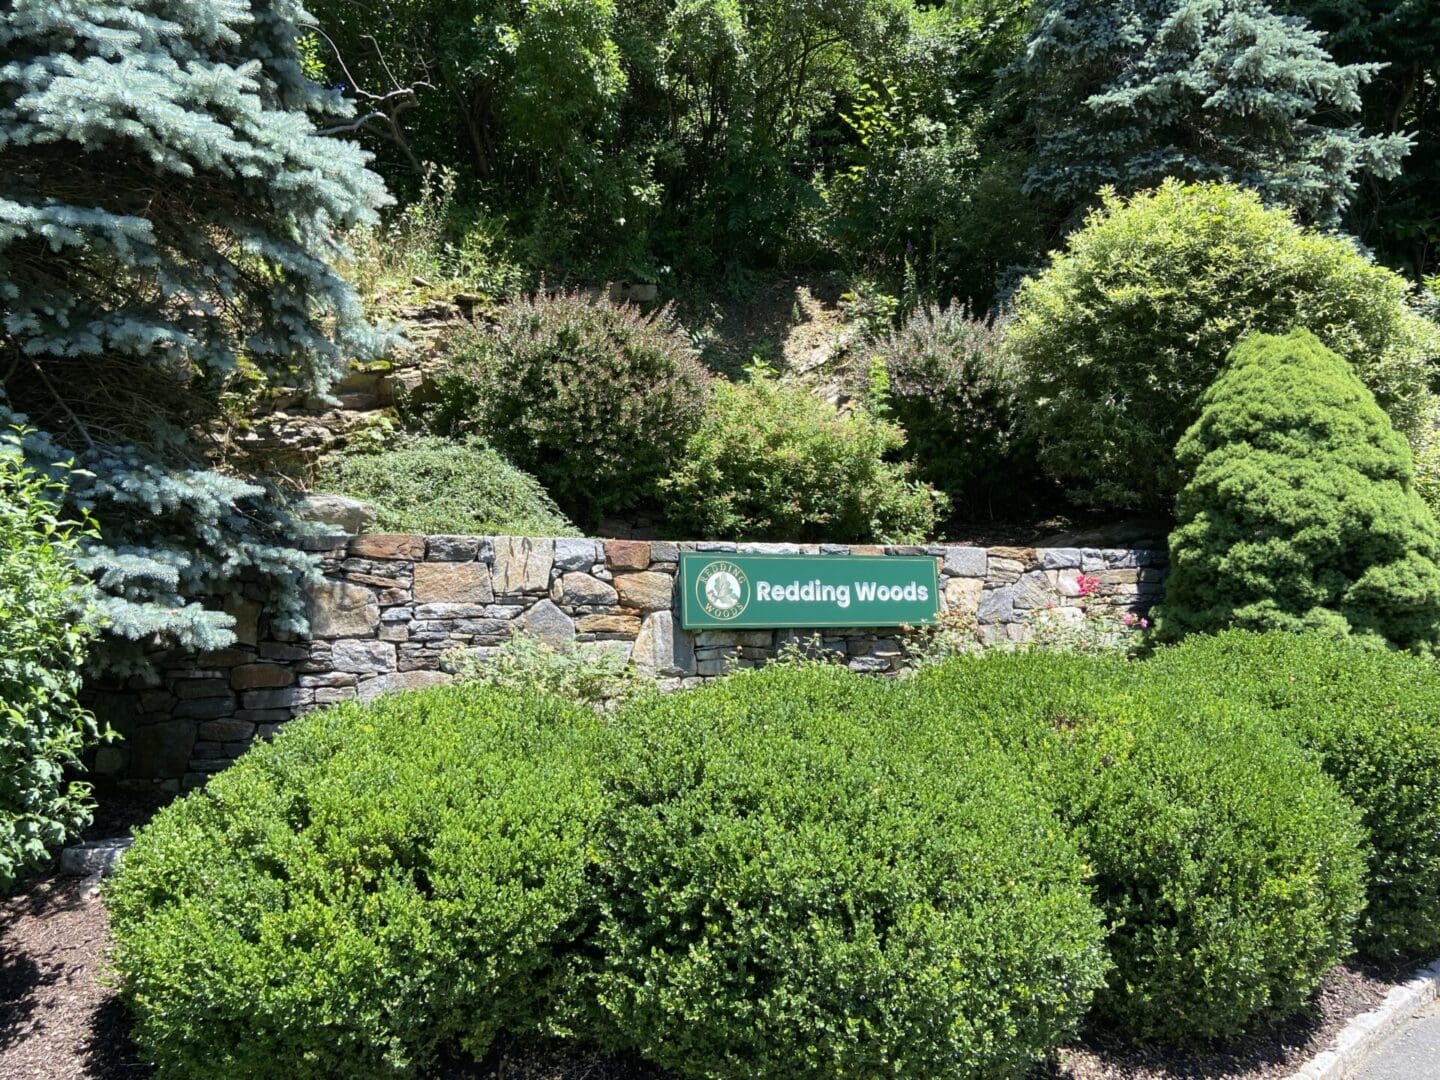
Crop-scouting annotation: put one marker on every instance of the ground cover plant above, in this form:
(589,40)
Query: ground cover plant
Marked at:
(1299,511)
(1370,714)
(43,728)
(436,486)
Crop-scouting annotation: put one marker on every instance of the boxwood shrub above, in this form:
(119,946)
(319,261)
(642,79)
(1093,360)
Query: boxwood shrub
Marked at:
(790,891)
(1373,718)
(382,882)
(1229,868)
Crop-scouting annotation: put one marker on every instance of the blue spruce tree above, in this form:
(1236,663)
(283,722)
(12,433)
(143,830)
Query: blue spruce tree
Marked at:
(168,209)
(1128,92)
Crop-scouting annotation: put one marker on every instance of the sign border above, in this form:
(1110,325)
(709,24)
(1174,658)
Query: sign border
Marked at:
(720,556)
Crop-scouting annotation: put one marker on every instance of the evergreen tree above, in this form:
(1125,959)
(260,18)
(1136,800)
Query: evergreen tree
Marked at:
(168,201)
(1129,92)
(1300,512)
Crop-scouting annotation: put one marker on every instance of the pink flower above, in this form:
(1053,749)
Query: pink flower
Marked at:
(1087,585)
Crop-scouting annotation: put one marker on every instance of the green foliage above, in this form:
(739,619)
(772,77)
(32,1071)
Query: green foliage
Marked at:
(772,461)
(1126,93)
(1119,337)
(1370,717)
(169,209)
(790,891)
(1399,217)
(1300,511)
(596,400)
(431,486)
(43,729)
(954,390)
(380,883)
(587,673)
(1228,867)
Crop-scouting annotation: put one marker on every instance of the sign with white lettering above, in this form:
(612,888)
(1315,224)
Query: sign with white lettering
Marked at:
(750,592)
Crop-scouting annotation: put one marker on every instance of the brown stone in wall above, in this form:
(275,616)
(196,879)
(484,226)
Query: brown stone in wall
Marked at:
(339,609)
(627,554)
(645,591)
(260,676)
(387,546)
(608,624)
(453,583)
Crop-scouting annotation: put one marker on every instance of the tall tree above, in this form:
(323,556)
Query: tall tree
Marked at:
(168,208)
(1399,217)
(1128,92)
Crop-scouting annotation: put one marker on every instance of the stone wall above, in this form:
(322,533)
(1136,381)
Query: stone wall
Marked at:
(390,607)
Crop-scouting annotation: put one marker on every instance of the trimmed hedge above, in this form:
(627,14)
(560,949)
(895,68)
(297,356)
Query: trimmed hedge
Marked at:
(1373,718)
(1228,866)
(790,892)
(381,881)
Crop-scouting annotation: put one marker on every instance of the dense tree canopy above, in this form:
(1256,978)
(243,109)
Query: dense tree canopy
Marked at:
(1129,92)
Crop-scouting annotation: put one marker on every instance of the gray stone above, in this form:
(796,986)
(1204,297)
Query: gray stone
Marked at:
(363,656)
(998,606)
(648,590)
(715,545)
(578,554)
(403,680)
(664,552)
(1004,571)
(868,664)
(450,611)
(1034,591)
(834,549)
(661,648)
(110,760)
(94,857)
(278,699)
(338,609)
(522,565)
(769,549)
(1061,558)
(452,548)
(582,590)
(548,623)
(712,668)
(205,708)
(160,751)
(225,730)
(349,516)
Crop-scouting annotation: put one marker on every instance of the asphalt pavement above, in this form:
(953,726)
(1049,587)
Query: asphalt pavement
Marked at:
(1412,1053)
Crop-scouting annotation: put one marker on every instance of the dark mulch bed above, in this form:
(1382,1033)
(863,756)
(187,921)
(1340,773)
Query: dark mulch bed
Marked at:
(1275,1051)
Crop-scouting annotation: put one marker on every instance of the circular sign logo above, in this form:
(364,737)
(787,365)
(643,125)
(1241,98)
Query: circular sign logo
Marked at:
(723,590)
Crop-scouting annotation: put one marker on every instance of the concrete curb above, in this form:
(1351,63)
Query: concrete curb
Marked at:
(1361,1035)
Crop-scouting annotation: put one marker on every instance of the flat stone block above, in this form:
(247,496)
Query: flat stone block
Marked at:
(581,590)
(1061,558)
(548,623)
(608,624)
(205,708)
(260,676)
(453,583)
(387,546)
(225,730)
(972,562)
(522,565)
(645,591)
(337,609)
(451,548)
(662,648)
(577,554)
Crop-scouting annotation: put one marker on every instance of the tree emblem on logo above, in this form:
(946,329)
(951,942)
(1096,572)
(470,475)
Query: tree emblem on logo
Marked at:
(723,590)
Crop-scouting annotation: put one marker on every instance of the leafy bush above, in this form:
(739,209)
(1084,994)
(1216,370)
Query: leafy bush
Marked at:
(1299,512)
(379,882)
(772,461)
(1228,867)
(587,673)
(789,892)
(1121,335)
(595,400)
(1373,718)
(436,486)
(43,729)
(954,390)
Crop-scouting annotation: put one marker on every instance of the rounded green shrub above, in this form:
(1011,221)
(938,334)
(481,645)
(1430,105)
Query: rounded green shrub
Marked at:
(382,881)
(433,486)
(953,388)
(1118,338)
(43,728)
(789,892)
(1228,866)
(772,461)
(1372,716)
(595,400)
(1299,510)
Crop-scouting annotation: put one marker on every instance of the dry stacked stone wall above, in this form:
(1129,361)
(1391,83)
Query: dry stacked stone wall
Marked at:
(390,608)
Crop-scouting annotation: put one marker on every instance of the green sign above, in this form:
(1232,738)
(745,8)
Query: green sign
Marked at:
(752,592)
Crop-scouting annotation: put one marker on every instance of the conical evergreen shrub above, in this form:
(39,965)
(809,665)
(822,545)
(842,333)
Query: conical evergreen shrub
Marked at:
(1300,510)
